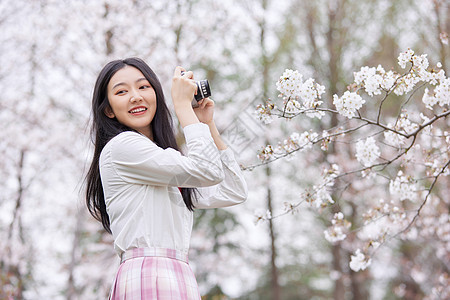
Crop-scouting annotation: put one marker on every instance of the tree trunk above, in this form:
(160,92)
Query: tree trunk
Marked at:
(71,288)
(12,270)
(441,29)
(274,281)
(276,290)
(108,34)
(333,64)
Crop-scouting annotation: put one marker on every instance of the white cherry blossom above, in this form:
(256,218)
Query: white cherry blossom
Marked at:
(373,84)
(338,230)
(290,83)
(363,74)
(442,92)
(348,104)
(389,79)
(429,99)
(359,261)
(405,57)
(402,187)
(367,151)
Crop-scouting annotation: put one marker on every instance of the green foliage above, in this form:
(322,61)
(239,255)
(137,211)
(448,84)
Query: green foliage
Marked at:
(215,223)
(297,282)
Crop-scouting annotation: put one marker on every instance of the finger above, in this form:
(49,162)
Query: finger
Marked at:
(178,71)
(204,103)
(209,101)
(188,74)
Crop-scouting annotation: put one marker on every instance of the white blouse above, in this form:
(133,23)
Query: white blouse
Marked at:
(141,180)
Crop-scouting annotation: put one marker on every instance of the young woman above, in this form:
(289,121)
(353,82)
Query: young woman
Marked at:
(143,189)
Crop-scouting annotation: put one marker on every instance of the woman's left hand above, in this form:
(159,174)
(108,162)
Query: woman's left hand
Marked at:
(205,110)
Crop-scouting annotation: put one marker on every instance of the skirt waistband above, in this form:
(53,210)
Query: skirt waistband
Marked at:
(153,251)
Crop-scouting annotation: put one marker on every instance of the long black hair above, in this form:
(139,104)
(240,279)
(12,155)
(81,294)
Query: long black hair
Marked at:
(105,128)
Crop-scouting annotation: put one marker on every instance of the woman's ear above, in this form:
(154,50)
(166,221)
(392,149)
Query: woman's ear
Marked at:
(109,113)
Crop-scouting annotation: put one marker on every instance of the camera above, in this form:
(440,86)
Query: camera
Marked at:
(203,91)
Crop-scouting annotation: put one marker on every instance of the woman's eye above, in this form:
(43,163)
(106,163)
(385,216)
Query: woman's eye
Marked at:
(144,87)
(120,92)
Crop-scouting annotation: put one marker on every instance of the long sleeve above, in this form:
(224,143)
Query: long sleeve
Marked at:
(138,160)
(140,182)
(231,191)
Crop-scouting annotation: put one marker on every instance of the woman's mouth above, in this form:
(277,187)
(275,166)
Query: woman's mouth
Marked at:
(138,110)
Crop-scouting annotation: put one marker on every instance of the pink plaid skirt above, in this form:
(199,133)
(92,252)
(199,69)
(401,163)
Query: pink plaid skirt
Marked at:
(154,273)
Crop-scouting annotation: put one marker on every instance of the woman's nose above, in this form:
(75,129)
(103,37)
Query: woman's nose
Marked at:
(135,97)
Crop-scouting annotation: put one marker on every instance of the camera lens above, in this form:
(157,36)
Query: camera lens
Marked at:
(203,90)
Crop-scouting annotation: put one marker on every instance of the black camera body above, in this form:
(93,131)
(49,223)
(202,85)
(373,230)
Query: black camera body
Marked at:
(203,91)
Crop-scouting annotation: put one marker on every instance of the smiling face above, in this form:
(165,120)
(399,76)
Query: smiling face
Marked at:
(132,100)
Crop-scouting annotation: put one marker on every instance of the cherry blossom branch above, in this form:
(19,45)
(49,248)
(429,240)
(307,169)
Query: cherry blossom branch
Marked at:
(426,197)
(367,122)
(251,167)
(407,101)
(303,97)
(359,117)
(387,93)
(431,121)
(394,86)
(309,195)
(417,214)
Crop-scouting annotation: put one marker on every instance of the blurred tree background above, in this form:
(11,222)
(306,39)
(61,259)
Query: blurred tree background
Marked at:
(51,53)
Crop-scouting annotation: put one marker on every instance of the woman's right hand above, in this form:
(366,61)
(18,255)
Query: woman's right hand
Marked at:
(183,88)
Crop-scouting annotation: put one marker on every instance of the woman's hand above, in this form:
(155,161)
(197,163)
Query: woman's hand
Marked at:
(205,114)
(183,88)
(205,110)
